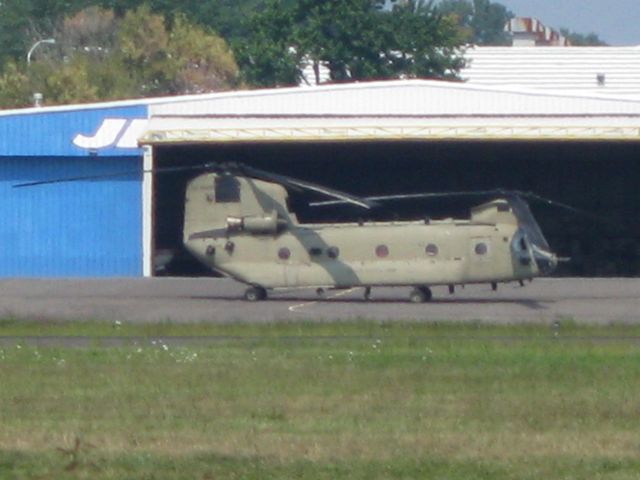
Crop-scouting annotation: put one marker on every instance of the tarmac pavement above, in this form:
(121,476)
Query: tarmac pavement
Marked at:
(597,301)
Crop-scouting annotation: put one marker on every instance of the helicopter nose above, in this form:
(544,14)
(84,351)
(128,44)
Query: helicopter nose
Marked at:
(546,261)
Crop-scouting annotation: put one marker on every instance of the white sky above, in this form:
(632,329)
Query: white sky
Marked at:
(617,22)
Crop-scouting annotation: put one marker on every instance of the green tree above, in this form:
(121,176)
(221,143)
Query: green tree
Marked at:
(424,42)
(200,61)
(352,38)
(23,22)
(15,87)
(481,22)
(267,57)
(583,40)
(99,56)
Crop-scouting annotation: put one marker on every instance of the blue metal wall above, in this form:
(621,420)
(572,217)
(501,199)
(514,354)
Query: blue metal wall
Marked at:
(54,132)
(74,229)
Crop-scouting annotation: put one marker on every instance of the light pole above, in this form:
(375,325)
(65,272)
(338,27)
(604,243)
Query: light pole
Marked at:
(50,41)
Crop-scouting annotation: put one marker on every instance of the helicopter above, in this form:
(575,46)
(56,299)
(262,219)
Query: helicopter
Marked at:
(238,223)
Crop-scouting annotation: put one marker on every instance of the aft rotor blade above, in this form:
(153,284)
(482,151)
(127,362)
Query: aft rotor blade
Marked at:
(341,197)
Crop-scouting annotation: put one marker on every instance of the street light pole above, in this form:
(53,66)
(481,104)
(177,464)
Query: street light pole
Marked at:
(50,41)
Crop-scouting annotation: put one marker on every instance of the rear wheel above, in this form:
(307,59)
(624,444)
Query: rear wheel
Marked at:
(254,294)
(420,295)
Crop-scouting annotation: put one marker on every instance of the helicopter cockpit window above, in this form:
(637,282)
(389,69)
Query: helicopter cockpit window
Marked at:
(227,189)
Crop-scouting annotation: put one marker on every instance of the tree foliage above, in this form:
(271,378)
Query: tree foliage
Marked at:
(99,56)
(583,40)
(352,38)
(481,22)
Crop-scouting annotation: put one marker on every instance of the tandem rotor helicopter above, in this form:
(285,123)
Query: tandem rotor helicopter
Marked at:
(237,223)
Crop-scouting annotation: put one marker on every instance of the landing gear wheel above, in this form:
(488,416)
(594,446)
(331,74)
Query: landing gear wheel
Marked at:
(253,294)
(420,295)
(367,293)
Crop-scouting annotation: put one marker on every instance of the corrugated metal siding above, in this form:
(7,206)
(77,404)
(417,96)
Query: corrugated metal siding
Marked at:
(403,97)
(572,69)
(85,228)
(55,132)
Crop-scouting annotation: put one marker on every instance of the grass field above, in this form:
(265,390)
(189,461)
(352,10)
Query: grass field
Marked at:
(355,400)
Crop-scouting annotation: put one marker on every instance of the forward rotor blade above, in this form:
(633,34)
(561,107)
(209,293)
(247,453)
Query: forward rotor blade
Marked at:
(341,197)
(415,196)
(75,179)
(553,203)
(123,173)
(530,196)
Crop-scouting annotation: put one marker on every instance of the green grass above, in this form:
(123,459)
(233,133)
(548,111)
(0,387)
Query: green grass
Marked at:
(352,400)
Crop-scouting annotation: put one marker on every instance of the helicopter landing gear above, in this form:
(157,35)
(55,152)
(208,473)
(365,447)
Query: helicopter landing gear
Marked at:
(367,293)
(420,295)
(253,294)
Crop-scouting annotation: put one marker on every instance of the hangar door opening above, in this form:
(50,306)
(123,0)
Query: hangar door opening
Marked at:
(599,178)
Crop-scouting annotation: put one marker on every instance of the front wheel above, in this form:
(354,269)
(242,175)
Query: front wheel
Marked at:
(254,294)
(420,295)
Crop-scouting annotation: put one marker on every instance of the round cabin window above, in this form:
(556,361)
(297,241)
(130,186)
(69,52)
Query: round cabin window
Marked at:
(382,251)
(431,250)
(284,253)
(481,248)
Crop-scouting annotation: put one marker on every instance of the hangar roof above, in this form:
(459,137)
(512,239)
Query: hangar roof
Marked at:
(395,97)
(391,110)
(404,109)
(587,70)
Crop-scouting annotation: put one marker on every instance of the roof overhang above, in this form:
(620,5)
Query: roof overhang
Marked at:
(175,130)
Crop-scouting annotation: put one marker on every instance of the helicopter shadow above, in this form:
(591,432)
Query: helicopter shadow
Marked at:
(292,299)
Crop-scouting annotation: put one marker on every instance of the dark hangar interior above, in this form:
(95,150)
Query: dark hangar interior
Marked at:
(599,177)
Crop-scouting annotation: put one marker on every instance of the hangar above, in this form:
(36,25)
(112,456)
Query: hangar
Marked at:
(365,138)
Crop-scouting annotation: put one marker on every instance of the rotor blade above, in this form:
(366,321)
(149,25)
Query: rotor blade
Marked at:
(553,203)
(123,173)
(75,179)
(414,196)
(341,197)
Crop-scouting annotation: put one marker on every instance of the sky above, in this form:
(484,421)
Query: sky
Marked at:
(617,22)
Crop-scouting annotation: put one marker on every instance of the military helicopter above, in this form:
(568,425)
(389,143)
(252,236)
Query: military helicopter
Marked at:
(237,222)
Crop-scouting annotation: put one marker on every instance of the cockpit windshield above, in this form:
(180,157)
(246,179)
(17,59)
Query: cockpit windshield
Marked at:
(528,223)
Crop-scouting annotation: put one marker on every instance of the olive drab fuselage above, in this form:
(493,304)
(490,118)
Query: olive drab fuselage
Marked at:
(242,228)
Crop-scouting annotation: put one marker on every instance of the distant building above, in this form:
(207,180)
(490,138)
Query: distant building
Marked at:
(530,32)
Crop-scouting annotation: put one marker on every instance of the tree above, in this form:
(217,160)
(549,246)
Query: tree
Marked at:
(23,22)
(481,22)
(424,42)
(583,40)
(201,62)
(15,88)
(99,56)
(352,38)
(267,57)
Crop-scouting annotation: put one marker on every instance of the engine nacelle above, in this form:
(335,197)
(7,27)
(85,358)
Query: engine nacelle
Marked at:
(259,225)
